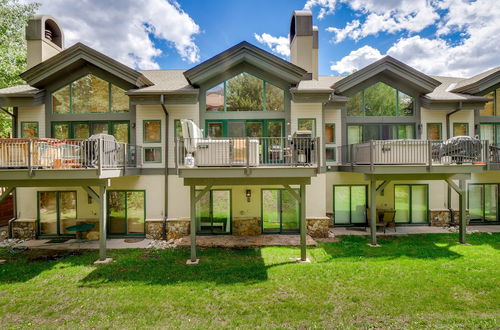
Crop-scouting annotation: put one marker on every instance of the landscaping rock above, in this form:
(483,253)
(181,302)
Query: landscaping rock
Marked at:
(10,242)
(318,227)
(163,245)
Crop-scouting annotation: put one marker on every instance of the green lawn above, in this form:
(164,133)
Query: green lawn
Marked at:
(408,282)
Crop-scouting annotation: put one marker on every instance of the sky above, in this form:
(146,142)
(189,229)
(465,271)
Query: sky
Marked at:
(457,38)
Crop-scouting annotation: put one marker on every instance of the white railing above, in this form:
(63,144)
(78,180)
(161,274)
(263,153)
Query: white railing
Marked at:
(247,152)
(416,152)
(66,154)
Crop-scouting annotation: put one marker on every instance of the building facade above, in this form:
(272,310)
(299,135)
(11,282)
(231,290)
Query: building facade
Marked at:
(373,137)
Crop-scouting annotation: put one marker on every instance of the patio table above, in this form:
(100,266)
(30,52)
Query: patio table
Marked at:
(79,229)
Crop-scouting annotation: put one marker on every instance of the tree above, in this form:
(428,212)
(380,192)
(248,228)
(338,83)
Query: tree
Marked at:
(13,19)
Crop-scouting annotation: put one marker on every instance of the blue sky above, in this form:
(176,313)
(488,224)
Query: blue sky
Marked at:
(443,37)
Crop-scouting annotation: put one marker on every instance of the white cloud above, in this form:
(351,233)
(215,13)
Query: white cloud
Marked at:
(476,51)
(327,7)
(123,29)
(279,45)
(356,59)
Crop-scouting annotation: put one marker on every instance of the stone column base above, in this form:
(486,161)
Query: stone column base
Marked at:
(442,218)
(24,229)
(247,227)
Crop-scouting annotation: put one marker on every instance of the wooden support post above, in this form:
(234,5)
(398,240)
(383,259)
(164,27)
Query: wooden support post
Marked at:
(463,218)
(102,224)
(192,200)
(303,242)
(373,211)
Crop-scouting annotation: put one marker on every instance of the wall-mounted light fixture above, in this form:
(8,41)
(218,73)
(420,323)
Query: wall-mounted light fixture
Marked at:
(248,193)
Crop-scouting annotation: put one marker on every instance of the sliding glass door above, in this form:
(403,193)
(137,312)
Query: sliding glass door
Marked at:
(349,204)
(411,203)
(56,212)
(126,212)
(483,202)
(280,211)
(213,212)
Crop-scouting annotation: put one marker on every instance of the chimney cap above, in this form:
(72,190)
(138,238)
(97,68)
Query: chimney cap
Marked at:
(301,24)
(38,24)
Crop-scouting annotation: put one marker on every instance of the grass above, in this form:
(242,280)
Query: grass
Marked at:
(409,282)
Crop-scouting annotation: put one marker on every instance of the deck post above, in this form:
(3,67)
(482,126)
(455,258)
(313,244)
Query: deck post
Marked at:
(373,211)
(192,200)
(303,243)
(102,224)
(463,218)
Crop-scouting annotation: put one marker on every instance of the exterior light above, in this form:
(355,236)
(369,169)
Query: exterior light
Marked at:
(248,194)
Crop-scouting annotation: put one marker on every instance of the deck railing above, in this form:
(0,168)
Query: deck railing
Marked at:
(66,154)
(247,152)
(416,152)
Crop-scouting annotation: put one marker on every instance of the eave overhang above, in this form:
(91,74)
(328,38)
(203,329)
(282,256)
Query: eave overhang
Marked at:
(476,86)
(388,66)
(248,53)
(77,55)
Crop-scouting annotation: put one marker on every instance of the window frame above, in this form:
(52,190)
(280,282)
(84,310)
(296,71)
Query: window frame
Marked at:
(350,200)
(153,161)
(314,124)
(379,129)
(30,122)
(440,125)
(398,110)
(483,201)
(410,204)
(58,211)
(70,84)
(461,123)
(264,95)
(496,110)
(334,131)
(108,224)
(89,122)
(144,130)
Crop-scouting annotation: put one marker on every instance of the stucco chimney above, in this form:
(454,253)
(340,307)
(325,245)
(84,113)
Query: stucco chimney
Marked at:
(304,42)
(44,38)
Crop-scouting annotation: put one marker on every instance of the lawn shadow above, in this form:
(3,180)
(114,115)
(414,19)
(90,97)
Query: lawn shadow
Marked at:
(431,246)
(164,267)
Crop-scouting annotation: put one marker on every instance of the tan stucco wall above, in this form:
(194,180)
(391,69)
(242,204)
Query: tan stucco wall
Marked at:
(150,112)
(439,116)
(179,111)
(35,113)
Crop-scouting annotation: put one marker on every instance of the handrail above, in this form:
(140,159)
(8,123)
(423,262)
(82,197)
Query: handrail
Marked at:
(417,152)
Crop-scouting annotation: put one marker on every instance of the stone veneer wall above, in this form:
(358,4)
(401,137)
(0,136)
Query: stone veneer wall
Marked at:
(247,226)
(318,227)
(24,229)
(441,217)
(176,228)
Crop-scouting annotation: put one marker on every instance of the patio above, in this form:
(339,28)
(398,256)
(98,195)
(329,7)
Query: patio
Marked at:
(230,241)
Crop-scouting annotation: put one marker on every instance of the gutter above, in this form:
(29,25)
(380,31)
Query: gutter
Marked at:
(9,230)
(165,205)
(448,135)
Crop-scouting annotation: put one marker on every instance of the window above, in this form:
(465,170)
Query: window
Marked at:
(152,131)
(177,128)
(152,155)
(349,204)
(492,108)
(380,100)
(245,128)
(460,129)
(213,212)
(280,211)
(83,130)
(29,129)
(367,132)
(307,124)
(56,212)
(89,94)
(126,212)
(490,132)
(245,92)
(434,131)
(330,154)
(483,202)
(411,203)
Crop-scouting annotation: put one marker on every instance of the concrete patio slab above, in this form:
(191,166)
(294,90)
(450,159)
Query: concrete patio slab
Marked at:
(75,244)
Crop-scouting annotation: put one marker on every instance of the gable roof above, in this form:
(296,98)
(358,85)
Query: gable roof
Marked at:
(165,82)
(393,68)
(245,52)
(444,93)
(479,82)
(76,55)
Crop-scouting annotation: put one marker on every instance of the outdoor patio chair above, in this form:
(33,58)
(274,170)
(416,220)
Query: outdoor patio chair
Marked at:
(387,220)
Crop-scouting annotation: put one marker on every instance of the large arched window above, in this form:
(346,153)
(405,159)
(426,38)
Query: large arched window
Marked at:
(245,92)
(380,100)
(89,94)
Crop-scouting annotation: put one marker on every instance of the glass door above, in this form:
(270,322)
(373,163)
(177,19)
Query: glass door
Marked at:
(280,211)
(483,202)
(56,212)
(411,203)
(349,204)
(274,144)
(126,213)
(213,212)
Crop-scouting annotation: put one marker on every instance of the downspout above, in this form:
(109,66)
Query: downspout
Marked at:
(165,206)
(448,136)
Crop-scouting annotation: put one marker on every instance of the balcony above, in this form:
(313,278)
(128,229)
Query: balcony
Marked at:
(98,158)
(418,156)
(247,156)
